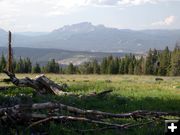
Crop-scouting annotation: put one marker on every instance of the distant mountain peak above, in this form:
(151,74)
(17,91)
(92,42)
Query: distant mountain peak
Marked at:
(85,24)
(81,27)
(85,36)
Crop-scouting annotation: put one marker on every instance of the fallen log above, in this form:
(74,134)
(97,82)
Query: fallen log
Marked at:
(41,84)
(44,85)
(95,94)
(83,112)
(38,113)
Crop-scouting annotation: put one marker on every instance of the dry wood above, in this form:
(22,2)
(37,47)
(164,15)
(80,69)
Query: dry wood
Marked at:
(124,126)
(41,118)
(44,85)
(41,84)
(26,114)
(10,55)
(86,113)
(72,118)
(100,94)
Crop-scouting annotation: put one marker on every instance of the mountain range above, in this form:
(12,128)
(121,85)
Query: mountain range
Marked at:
(95,38)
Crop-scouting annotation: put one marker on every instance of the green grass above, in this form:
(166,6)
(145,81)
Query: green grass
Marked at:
(129,93)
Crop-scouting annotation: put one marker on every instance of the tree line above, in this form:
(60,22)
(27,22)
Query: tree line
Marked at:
(164,62)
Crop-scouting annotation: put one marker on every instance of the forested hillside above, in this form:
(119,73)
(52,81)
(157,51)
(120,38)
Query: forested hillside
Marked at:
(43,55)
(156,62)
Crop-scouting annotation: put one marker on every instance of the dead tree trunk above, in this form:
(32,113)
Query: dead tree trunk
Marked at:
(44,85)
(25,114)
(41,84)
(10,56)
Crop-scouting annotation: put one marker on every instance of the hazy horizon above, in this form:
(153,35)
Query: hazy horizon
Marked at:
(29,31)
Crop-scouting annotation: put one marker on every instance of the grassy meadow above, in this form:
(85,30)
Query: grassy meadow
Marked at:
(130,93)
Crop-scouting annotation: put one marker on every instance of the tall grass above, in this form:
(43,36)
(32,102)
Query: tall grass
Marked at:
(129,93)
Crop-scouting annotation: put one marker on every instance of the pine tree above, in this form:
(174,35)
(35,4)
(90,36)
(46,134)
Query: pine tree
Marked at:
(175,61)
(121,66)
(52,67)
(126,63)
(36,68)
(149,63)
(2,63)
(139,66)
(155,56)
(70,69)
(20,66)
(132,64)
(14,64)
(116,65)
(103,66)
(27,65)
(43,69)
(164,61)
(111,69)
(86,68)
(131,68)
(96,67)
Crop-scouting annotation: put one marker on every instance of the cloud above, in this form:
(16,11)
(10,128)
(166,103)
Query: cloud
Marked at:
(167,21)
(121,2)
(102,2)
(60,7)
(43,7)
(14,13)
(137,2)
(23,12)
(125,2)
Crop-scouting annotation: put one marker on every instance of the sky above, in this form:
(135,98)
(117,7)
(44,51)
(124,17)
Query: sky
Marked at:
(47,15)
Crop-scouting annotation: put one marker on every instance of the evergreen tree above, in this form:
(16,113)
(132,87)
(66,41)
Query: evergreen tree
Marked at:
(19,66)
(111,69)
(121,66)
(126,63)
(14,65)
(103,66)
(70,69)
(132,64)
(155,56)
(96,67)
(116,65)
(43,69)
(131,68)
(149,63)
(156,63)
(17,69)
(27,65)
(2,63)
(86,68)
(164,59)
(175,61)
(139,66)
(36,68)
(52,67)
